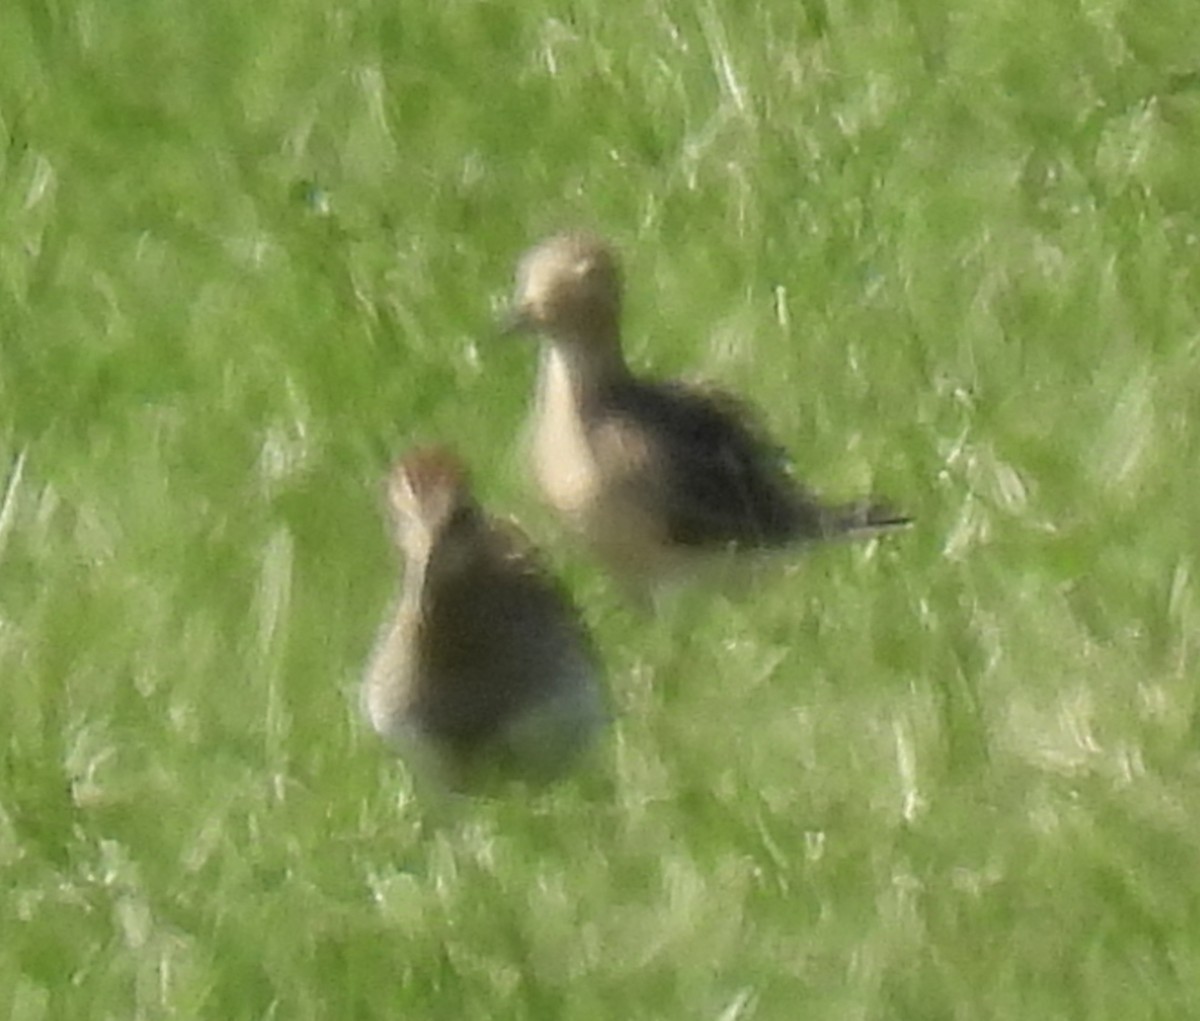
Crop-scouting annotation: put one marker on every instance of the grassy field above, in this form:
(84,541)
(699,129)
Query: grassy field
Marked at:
(250,252)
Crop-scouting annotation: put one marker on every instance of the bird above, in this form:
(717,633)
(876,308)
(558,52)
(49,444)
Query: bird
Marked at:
(483,670)
(654,474)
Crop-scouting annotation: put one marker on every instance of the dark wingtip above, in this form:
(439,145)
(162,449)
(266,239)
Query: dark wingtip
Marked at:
(885,517)
(865,517)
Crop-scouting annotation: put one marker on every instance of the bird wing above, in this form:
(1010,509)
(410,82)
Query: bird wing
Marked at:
(717,478)
(500,639)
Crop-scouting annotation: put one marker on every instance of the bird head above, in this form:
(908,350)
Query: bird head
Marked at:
(430,498)
(568,290)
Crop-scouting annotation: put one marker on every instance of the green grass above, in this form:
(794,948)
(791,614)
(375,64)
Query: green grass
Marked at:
(249,252)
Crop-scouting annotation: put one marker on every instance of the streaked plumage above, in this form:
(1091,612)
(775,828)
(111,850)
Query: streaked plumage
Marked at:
(651,473)
(483,667)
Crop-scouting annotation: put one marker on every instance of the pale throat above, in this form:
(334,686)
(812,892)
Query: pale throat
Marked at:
(578,370)
(568,381)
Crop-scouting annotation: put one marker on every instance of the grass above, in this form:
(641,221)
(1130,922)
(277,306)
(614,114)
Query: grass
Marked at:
(953,254)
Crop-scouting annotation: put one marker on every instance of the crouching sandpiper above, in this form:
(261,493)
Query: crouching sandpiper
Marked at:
(483,668)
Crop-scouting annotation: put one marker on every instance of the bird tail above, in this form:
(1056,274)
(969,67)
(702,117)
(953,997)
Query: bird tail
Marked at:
(860,519)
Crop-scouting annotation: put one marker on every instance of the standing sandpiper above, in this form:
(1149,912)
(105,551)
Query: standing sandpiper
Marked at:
(652,474)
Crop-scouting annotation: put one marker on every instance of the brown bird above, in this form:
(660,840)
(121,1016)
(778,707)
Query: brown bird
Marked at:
(484,668)
(651,473)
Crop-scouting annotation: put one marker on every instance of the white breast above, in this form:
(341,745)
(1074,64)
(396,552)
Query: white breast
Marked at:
(390,675)
(562,458)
